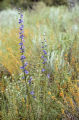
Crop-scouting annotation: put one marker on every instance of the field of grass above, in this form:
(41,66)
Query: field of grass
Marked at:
(56,90)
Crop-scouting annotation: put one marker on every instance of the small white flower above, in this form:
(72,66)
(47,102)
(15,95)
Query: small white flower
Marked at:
(13,75)
(5,77)
(75,28)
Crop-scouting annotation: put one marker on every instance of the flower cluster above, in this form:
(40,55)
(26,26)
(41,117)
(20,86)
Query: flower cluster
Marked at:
(21,37)
(22,50)
(44,55)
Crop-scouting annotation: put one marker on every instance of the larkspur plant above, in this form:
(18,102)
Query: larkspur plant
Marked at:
(21,37)
(24,64)
(44,80)
(26,77)
(44,55)
(22,50)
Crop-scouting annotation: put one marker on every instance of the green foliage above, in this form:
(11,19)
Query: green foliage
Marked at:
(4,4)
(55,2)
(26,3)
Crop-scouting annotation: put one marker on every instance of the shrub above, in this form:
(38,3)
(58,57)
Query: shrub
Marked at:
(56,2)
(30,3)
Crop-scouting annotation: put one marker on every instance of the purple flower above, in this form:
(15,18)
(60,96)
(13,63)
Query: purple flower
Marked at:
(20,43)
(45,59)
(20,21)
(22,67)
(42,56)
(23,77)
(43,70)
(22,51)
(34,97)
(44,52)
(32,92)
(26,72)
(22,26)
(31,78)
(21,36)
(22,57)
(23,46)
(21,32)
(29,81)
(44,62)
(25,64)
(21,15)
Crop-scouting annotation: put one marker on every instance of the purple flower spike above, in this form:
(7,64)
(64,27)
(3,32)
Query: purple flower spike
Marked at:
(22,50)
(32,92)
(22,57)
